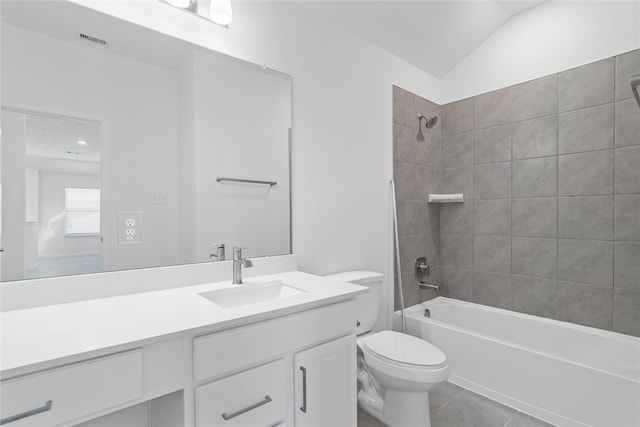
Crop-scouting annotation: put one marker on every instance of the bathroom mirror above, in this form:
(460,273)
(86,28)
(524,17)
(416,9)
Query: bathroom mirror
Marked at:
(124,148)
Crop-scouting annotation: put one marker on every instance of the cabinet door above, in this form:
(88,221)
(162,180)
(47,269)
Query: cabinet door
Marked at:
(325,384)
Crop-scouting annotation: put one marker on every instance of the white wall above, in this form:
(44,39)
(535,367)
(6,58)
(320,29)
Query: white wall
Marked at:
(32,192)
(52,239)
(186,162)
(136,103)
(549,38)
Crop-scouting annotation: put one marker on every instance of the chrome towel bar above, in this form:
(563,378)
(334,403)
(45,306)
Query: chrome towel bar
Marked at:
(246,181)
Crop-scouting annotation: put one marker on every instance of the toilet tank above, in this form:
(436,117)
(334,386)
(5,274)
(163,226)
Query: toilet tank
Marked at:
(367,304)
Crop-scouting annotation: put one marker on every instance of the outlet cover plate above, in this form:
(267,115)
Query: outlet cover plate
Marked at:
(129,227)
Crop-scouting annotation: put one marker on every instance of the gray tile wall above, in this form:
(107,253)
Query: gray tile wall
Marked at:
(550,169)
(416,171)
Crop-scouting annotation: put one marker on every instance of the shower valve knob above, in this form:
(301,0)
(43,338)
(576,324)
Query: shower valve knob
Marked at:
(422,267)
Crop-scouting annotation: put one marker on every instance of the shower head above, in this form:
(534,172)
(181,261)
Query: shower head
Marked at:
(429,122)
(635,87)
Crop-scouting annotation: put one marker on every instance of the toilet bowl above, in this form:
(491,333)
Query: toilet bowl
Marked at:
(396,371)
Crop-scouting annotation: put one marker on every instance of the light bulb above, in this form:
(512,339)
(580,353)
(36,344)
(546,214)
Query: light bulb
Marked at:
(183,4)
(220,12)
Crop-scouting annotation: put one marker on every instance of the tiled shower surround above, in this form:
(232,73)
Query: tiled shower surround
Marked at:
(550,171)
(416,172)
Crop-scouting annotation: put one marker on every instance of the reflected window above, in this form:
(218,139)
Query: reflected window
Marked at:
(82,206)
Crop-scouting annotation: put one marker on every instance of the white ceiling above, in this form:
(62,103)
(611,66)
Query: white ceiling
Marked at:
(57,138)
(432,35)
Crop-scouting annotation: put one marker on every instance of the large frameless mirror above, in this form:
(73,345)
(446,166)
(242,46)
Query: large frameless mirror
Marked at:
(124,148)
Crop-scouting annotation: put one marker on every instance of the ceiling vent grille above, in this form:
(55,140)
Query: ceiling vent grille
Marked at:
(92,39)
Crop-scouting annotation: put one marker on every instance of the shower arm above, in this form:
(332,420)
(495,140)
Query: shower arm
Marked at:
(429,122)
(635,83)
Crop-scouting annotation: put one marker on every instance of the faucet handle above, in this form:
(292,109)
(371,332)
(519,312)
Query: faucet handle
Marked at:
(219,255)
(422,268)
(237,252)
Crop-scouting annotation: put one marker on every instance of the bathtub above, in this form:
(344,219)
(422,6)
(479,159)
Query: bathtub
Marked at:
(564,374)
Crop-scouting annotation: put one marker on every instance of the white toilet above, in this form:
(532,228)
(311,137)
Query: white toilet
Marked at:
(395,370)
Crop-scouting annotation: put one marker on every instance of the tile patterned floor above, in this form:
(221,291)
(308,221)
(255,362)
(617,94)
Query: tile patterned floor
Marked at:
(65,266)
(453,406)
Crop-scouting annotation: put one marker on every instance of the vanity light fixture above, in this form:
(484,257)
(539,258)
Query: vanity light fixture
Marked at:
(182,4)
(220,12)
(82,142)
(217,11)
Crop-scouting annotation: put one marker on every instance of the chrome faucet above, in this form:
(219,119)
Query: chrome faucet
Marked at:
(422,269)
(219,255)
(238,262)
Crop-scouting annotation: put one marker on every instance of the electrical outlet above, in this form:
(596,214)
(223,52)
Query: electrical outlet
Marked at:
(129,227)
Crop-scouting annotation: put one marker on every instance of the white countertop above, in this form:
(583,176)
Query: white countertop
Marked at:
(34,338)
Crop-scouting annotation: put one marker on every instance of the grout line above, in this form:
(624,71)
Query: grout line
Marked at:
(509,420)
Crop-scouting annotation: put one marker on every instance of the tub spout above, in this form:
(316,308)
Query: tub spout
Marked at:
(425,285)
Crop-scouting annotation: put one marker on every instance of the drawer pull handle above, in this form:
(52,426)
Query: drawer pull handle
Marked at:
(47,407)
(264,401)
(303,408)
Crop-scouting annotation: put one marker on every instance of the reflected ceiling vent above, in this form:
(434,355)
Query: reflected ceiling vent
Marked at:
(92,39)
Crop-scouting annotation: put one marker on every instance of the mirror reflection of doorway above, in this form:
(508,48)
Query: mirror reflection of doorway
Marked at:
(58,230)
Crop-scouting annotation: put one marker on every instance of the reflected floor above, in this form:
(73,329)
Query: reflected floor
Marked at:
(453,406)
(65,266)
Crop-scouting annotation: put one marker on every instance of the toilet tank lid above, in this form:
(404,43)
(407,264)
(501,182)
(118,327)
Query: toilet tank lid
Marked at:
(357,277)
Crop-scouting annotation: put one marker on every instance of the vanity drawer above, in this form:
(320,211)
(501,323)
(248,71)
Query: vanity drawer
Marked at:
(66,393)
(218,353)
(251,398)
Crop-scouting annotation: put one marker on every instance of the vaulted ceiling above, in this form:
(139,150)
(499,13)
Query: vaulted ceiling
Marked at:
(432,35)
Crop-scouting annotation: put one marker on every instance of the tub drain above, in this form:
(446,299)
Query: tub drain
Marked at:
(427,313)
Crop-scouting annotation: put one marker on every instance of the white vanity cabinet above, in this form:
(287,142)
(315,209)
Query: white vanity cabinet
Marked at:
(325,392)
(187,362)
(252,376)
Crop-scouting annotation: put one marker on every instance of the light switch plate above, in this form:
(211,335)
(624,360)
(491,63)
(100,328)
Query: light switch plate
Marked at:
(129,227)
(159,199)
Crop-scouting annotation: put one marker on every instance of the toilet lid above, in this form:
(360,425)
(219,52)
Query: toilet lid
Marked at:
(404,348)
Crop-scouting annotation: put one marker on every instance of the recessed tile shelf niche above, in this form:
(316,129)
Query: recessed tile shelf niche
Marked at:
(446,198)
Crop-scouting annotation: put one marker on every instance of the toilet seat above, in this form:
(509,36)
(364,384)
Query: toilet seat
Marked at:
(421,364)
(404,350)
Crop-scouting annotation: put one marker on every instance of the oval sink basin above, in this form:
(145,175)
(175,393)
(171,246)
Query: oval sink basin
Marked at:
(251,294)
